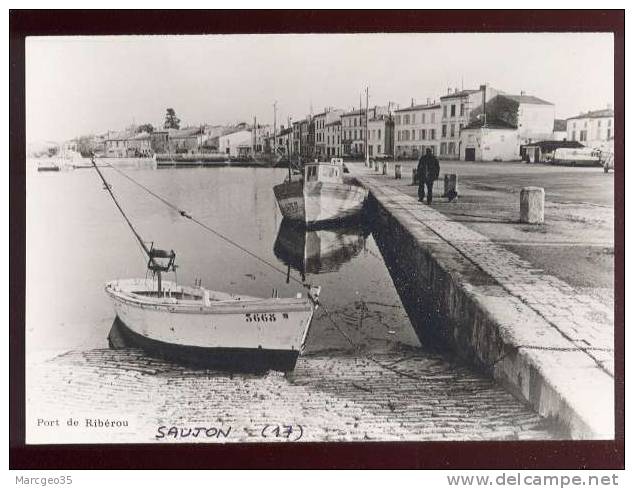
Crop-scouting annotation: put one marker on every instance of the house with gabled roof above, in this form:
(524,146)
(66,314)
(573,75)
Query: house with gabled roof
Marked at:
(533,117)
(594,128)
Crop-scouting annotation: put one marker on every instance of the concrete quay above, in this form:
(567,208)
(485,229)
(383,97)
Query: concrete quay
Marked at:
(537,335)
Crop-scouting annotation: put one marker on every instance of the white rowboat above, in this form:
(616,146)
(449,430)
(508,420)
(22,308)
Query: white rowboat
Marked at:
(212,329)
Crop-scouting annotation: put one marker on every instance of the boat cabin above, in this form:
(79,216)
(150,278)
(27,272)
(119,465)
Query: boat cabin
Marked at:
(324,172)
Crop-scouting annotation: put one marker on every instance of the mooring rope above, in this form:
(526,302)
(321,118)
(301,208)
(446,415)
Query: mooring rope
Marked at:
(208,228)
(357,348)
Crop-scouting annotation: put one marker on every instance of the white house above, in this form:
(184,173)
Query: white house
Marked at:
(236,144)
(495,141)
(592,129)
(533,117)
(417,128)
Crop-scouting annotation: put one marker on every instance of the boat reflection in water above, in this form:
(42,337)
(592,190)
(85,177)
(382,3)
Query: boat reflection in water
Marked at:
(313,251)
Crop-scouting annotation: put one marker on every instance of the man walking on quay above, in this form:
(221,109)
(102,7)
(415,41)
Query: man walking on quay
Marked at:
(427,171)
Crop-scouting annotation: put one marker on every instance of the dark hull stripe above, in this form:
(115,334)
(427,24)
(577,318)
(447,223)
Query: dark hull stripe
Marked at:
(230,359)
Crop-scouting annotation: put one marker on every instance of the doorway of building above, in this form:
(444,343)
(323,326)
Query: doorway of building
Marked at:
(469,154)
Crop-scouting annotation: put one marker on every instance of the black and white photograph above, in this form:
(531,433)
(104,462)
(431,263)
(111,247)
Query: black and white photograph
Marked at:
(320,237)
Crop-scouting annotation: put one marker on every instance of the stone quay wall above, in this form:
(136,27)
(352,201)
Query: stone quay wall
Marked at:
(529,330)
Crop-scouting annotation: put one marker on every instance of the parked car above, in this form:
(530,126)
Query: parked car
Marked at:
(577,157)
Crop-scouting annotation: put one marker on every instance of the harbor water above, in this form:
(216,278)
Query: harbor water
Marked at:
(364,374)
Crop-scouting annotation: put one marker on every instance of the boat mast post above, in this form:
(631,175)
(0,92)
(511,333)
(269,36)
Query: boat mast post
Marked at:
(367,155)
(158,276)
(288,153)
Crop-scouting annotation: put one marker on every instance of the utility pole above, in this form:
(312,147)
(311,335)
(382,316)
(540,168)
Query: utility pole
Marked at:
(393,137)
(255,134)
(275,128)
(367,154)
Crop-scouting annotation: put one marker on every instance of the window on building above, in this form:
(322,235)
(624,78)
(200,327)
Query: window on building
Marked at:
(444,111)
(413,134)
(433,117)
(379,131)
(609,122)
(398,120)
(460,127)
(461,109)
(413,118)
(398,135)
(444,133)
(452,132)
(453,110)
(433,134)
(574,135)
(583,135)
(609,133)
(422,117)
(378,149)
(406,117)
(599,123)
(443,148)
(423,134)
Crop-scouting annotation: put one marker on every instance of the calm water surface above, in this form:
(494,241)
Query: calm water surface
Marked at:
(77,241)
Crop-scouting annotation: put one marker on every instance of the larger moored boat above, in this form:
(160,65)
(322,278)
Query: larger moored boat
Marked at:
(320,195)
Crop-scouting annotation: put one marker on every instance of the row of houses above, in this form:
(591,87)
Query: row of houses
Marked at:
(135,142)
(483,124)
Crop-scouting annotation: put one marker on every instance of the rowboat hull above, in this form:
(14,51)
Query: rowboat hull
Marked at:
(319,202)
(212,329)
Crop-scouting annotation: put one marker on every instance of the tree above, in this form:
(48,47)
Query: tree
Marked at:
(171,121)
(149,128)
(85,145)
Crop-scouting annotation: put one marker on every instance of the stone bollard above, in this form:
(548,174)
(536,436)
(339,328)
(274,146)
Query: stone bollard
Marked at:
(386,168)
(532,205)
(397,172)
(414,177)
(451,183)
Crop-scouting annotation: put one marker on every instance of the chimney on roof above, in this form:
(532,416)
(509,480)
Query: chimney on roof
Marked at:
(522,93)
(428,99)
(448,90)
(412,101)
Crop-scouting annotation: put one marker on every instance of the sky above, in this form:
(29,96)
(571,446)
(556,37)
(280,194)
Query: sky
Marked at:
(89,85)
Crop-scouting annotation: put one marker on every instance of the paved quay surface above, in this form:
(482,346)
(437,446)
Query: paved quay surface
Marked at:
(576,241)
(410,397)
(571,338)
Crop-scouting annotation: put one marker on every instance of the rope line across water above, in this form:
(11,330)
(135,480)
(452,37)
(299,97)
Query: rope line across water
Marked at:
(188,216)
